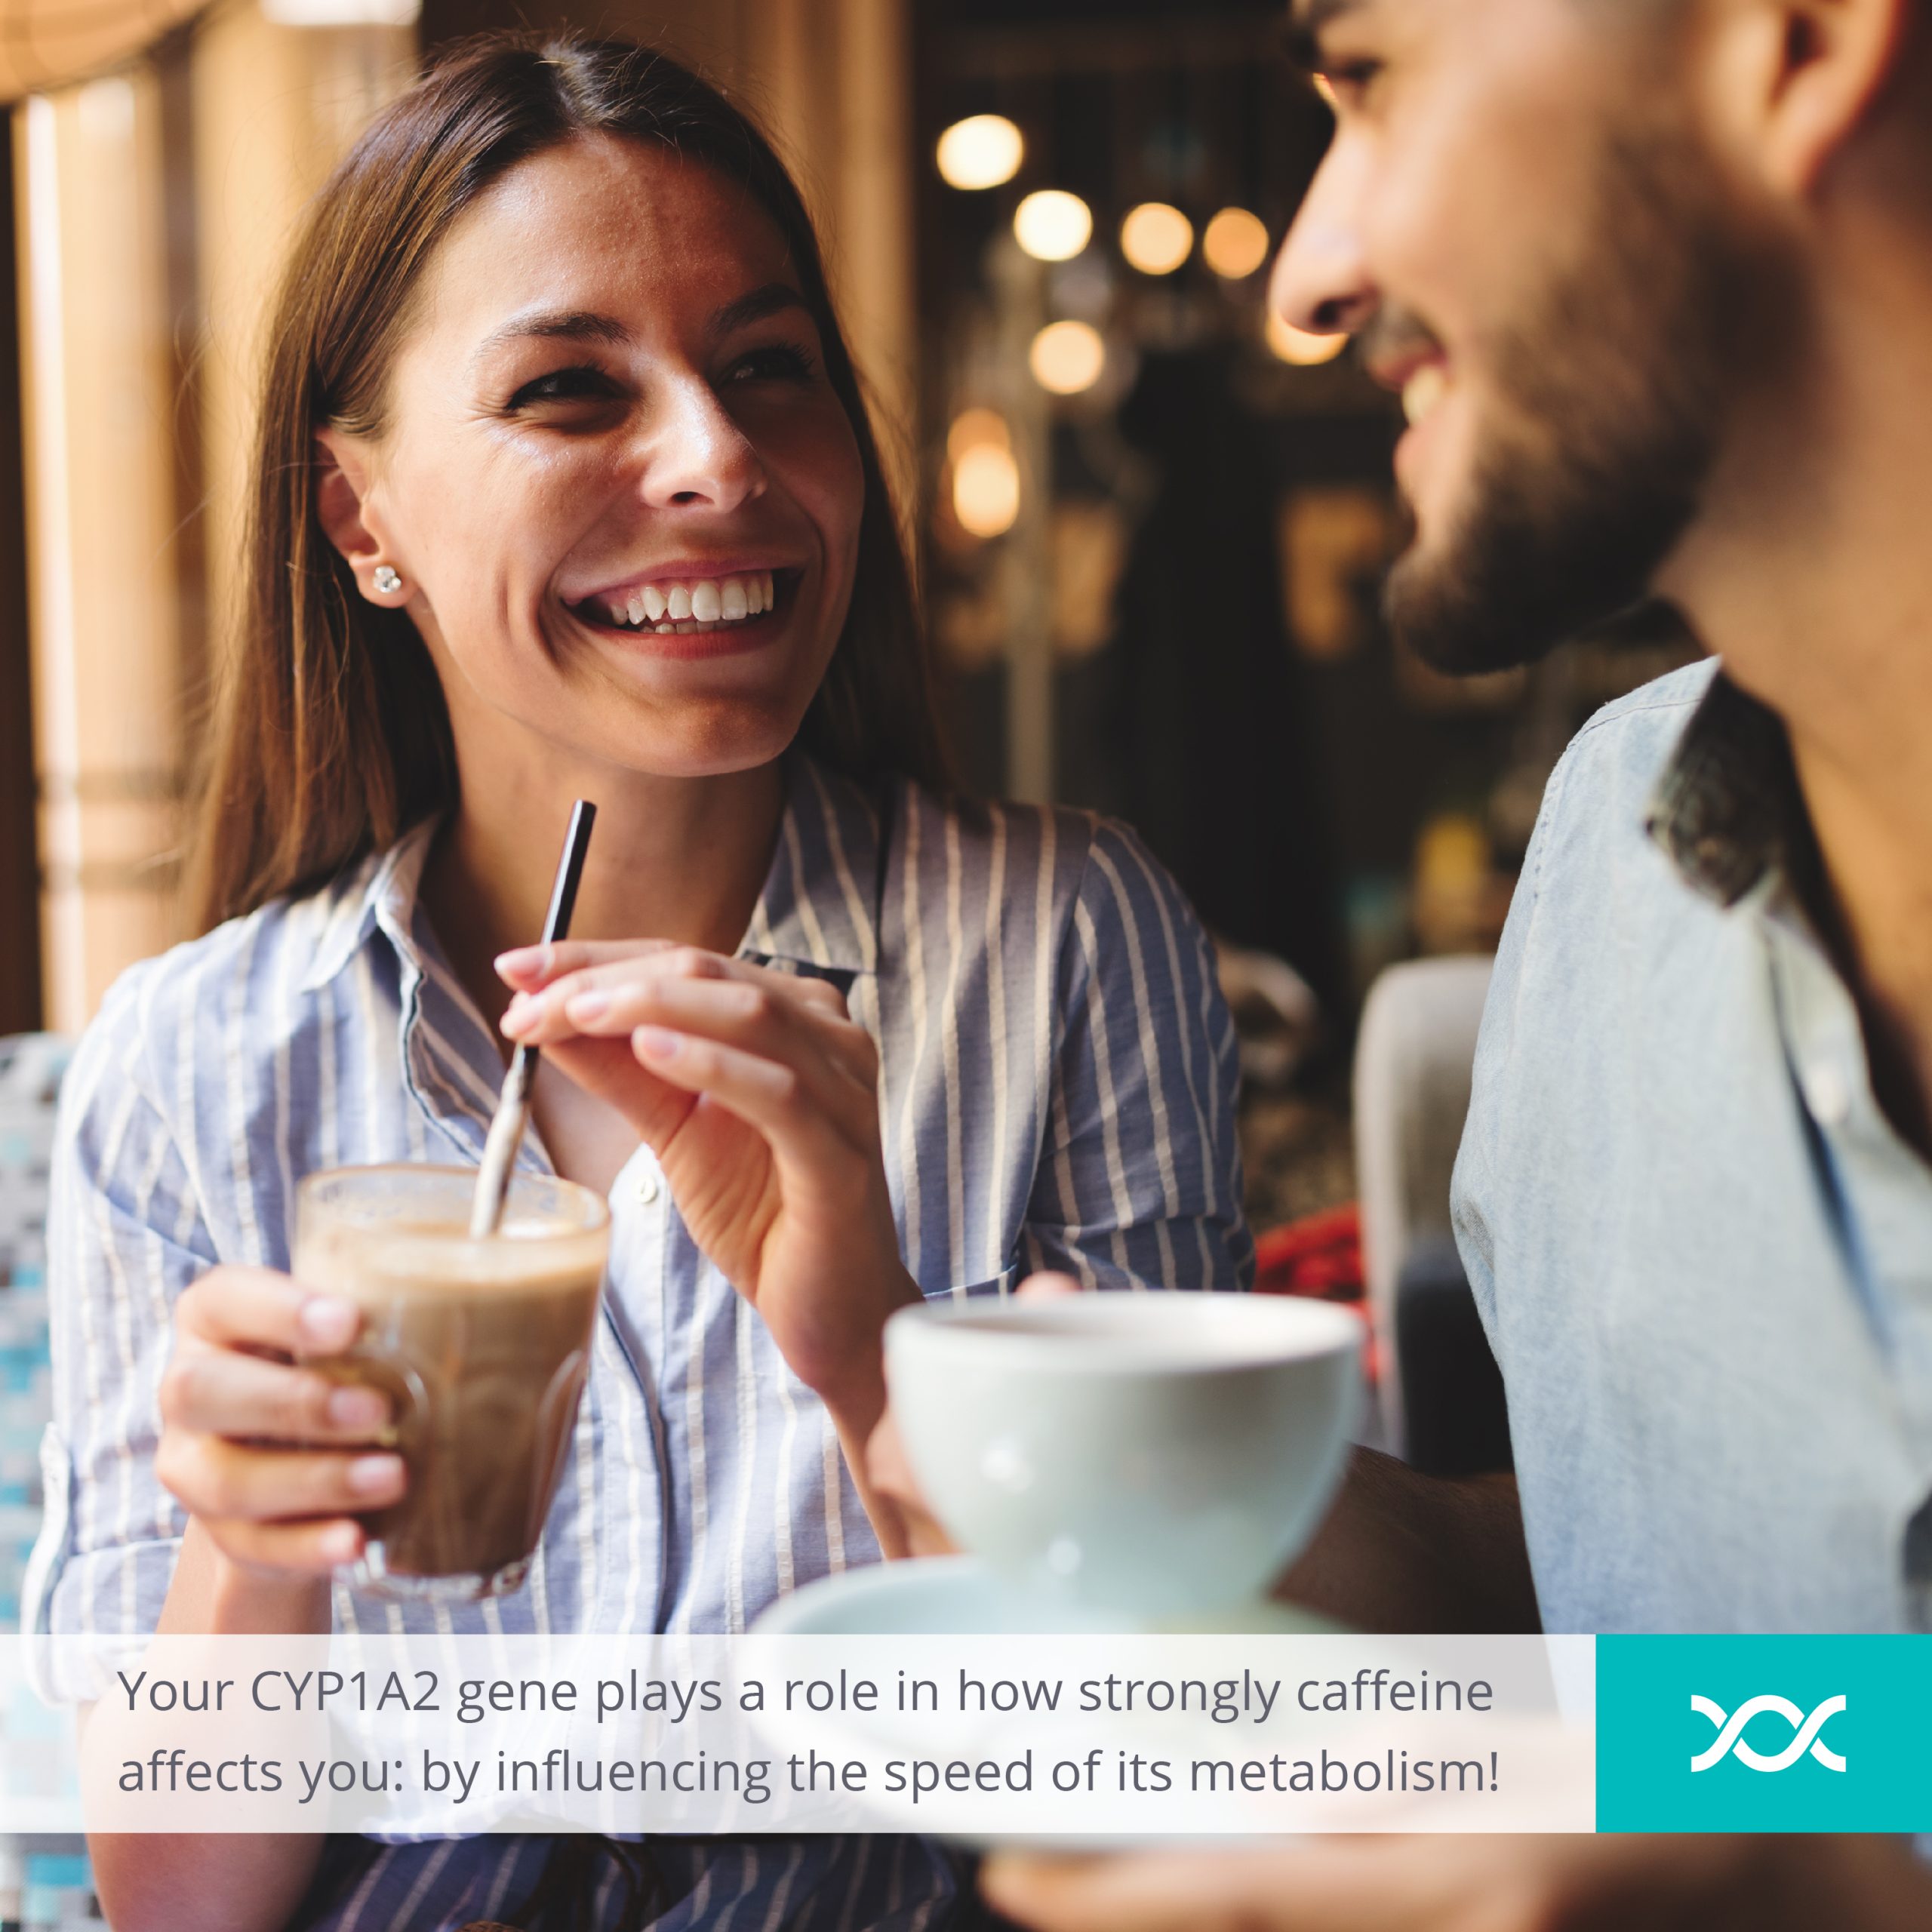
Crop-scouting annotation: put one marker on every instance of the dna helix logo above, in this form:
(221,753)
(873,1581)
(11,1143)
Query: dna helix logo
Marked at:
(1729,1739)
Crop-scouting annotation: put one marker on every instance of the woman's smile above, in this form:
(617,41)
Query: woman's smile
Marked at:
(694,610)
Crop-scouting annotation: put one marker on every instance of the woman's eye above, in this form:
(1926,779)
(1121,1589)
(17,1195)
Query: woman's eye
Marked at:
(783,362)
(564,386)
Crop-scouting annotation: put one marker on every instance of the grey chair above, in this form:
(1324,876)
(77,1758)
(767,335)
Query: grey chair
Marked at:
(1442,1400)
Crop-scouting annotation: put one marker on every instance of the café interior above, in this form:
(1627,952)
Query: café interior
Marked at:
(1148,525)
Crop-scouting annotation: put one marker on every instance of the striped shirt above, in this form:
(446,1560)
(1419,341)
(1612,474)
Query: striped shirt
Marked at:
(1057,1090)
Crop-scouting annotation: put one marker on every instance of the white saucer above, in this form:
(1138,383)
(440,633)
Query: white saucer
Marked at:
(958,1596)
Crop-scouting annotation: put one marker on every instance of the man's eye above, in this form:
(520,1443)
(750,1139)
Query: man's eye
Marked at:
(782,362)
(1349,82)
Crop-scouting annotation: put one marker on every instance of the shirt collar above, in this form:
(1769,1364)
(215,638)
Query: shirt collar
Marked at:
(378,895)
(822,899)
(1728,809)
(820,906)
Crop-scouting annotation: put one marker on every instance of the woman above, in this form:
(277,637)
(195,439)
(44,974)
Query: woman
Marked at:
(565,488)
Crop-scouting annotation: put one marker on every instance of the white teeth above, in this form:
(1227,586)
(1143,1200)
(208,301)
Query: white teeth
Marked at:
(728,600)
(666,630)
(1423,391)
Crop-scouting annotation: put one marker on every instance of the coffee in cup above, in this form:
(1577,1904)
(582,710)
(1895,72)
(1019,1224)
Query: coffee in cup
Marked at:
(482,1346)
(1157,1456)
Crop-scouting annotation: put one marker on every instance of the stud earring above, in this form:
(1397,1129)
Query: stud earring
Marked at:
(387,580)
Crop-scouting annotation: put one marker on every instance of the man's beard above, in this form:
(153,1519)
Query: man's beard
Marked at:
(1617,390)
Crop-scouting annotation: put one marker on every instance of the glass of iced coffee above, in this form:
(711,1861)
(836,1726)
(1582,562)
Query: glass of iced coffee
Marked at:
(481,1345)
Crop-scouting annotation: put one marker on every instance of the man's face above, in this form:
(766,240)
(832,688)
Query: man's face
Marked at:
(1518,218)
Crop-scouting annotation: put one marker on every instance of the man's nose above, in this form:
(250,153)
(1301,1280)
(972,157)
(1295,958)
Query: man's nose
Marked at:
(1321,284)
(696,453)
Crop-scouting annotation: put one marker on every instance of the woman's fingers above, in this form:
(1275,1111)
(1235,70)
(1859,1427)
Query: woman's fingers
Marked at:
(570,1002)
(527,968)
(313,1548)
(222,1392)
(835,1060)
(254,1308)
(773,1098)
(219,1480)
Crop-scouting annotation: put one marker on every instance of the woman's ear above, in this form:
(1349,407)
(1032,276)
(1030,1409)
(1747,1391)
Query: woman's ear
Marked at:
(342,483)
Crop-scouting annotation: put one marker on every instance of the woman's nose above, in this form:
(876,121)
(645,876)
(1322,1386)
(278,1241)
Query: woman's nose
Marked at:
(1321,284)
(695,453)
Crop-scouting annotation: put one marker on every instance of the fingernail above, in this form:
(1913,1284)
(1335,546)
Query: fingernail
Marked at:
(327,1322)
(368,1475)
(657,1042)
(518,1015)
(357,1408)
(341,1543)
(588,1006)
(518,959)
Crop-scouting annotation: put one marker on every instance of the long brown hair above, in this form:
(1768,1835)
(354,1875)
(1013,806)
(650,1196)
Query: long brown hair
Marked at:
(330,735)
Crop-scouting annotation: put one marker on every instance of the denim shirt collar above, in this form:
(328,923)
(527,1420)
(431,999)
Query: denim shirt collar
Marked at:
(1727,810)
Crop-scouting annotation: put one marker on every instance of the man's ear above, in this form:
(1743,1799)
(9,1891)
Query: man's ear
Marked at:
(1833,60)
(342,483)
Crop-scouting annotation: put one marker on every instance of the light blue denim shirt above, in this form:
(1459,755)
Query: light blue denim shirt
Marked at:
(1057,1089)
(1703,1256)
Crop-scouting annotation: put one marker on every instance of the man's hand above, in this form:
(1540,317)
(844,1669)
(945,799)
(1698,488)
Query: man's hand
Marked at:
(1480,1884)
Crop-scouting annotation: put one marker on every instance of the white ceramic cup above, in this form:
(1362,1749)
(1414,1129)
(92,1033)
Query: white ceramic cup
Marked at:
(1159,1455)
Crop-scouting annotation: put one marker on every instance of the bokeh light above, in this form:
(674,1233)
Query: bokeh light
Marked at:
(1236,243)
(986,489)
(981,152)
(1068,357)
(974,428)
(1299,346)
(1053,225)
(1156,238)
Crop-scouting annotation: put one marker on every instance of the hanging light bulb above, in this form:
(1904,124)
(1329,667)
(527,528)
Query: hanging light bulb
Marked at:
(982,151)
(1298,346)
(978,427)
(1068,357)
(1053,225)
(986,489)
(1236,243)
(1156,238)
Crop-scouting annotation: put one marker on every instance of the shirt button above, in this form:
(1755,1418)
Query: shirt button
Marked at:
(647,1189)
(1829,1093)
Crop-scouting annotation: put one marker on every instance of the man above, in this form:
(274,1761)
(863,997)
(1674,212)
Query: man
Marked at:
(1655,279)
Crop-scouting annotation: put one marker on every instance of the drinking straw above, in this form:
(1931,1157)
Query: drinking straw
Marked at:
(512,1115)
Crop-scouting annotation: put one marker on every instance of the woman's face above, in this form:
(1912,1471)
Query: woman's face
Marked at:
(623,499)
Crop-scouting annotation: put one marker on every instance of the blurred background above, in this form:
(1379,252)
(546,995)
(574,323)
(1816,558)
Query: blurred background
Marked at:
(1150,526)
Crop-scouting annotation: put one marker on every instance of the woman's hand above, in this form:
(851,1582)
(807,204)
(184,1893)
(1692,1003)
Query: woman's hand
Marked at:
(272,1460)
(759,1095)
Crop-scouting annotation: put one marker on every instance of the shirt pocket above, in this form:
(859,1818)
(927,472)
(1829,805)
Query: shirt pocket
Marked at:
(1004,1283)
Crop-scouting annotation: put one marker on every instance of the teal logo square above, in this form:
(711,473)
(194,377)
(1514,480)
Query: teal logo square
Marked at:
(1763,1733)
